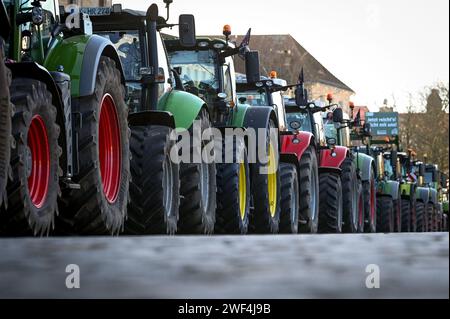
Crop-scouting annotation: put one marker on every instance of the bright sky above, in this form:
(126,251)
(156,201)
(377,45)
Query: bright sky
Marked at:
(380,48)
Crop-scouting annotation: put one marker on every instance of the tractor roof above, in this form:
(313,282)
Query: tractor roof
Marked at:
(203,43)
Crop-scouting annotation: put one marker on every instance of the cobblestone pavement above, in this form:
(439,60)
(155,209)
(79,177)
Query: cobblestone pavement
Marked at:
(304,266)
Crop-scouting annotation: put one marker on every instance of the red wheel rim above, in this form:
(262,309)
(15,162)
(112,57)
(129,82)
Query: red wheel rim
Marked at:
(372,201)
(39,178)
(109,149)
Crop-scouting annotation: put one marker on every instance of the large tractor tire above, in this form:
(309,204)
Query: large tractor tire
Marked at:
(407,216)
(385,215)
(266,190)
(398,215)
(233,191)
(331,211)
(420,217)
(155,185)
(6,112)
(350,196)
(370,206)
(198,191)
(361,214)
(309,192)
(431,218)
(289,199)
(100,206)
(34,190)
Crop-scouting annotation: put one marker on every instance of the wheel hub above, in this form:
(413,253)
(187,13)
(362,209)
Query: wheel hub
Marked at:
(110,149)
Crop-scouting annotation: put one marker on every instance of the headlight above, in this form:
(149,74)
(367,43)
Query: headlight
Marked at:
(203,44)
(219,46)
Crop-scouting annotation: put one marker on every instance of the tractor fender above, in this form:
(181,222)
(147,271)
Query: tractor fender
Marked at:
(423,194)
(79,56)
(95,49)
(327,160)
(184,107)
(389,188)
(296,144)
(433,196)
(366,165)
(152,118)
(32,70)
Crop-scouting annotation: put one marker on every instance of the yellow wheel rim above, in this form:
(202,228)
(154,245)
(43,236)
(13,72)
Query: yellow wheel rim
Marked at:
(272,182)
(242,190)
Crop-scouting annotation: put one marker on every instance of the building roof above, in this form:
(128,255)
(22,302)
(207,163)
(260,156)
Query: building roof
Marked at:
(282,53)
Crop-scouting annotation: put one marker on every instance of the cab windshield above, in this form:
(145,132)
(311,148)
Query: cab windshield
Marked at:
(198,72)
(254,98)
(331,131)
(429,177)
(299,122)
(389,170)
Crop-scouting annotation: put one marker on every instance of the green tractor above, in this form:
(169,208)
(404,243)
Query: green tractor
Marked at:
(434,209)
(252,179)
(407,192)
(423,197)
(166,195)
(70,124)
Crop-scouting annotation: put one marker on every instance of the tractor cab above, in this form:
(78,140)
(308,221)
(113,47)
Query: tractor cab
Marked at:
(207,70)
(266,92)
(141,50)
(432,176)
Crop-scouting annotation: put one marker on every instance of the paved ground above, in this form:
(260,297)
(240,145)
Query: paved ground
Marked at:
(411,266)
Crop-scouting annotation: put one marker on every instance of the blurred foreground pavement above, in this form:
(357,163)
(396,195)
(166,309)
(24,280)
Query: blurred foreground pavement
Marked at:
(305,266)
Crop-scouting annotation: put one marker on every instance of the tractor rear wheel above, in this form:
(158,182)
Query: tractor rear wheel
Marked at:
(100,206)
(420,217)
(331,204)
(33,192)
(406,215)
(266,189)
(385,215)
(370,206)
(233,191)
(350,196)
(155,185)
(6,112)
(289,199)
(309,192)
(198,190)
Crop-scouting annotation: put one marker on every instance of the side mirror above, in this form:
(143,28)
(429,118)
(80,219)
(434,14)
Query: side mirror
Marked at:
(301,98)
(242,100)
(394,155)
(338,115)
(26,41)
(153,13)
(367,129)
(187,30)
(436,176)
(422,170)
(252,66)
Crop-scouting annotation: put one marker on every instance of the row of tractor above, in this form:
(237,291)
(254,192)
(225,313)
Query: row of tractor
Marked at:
(99,107)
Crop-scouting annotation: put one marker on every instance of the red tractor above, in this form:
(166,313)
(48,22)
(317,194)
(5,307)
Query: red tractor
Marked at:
(340,196)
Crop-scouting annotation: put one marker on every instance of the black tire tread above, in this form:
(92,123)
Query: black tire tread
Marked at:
(289,192)
(330,199)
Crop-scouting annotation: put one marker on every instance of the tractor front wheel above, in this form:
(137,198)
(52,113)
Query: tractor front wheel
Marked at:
(420,217)
(100,206)
(309,192)
(33,192)
(406,216)
(155,185)
(385,215)
(198,189)
(233,190)
(350,196)
(331,204)
(289,199)
(370,206)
